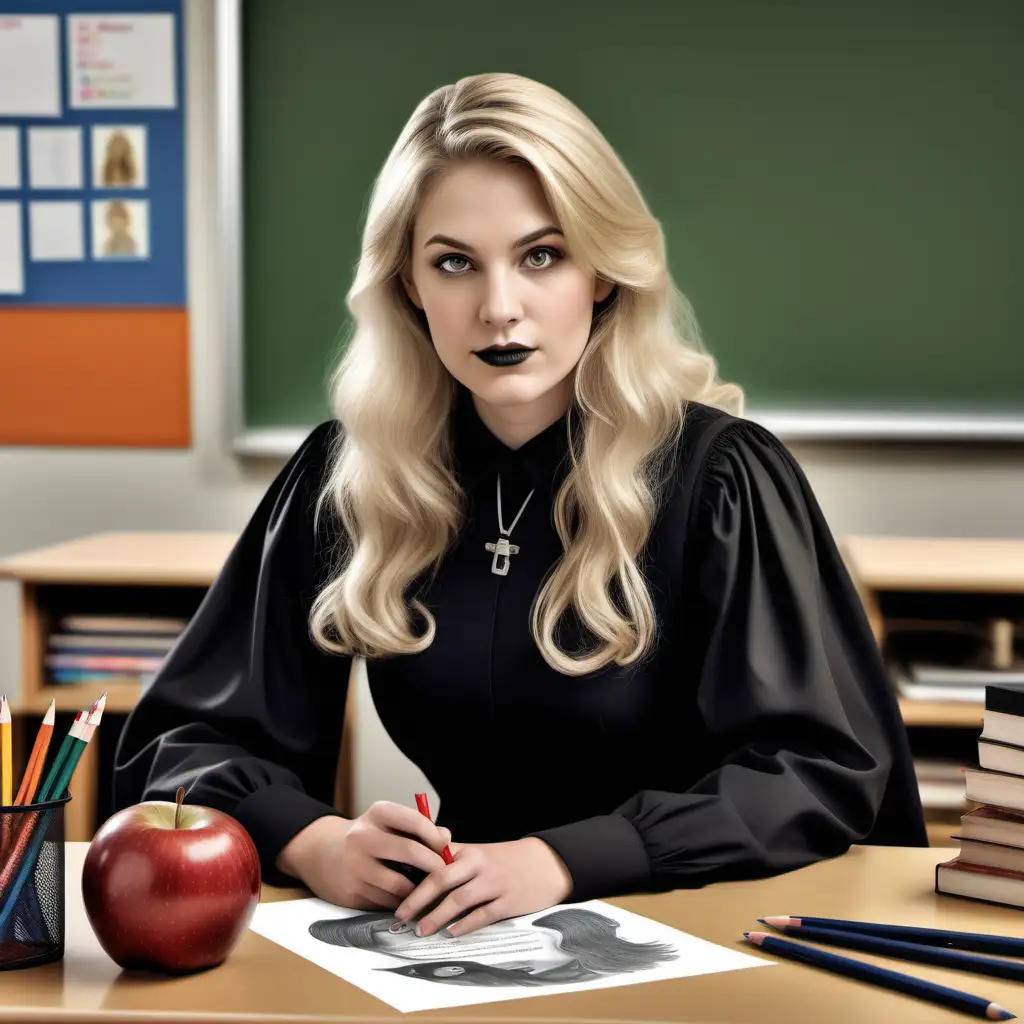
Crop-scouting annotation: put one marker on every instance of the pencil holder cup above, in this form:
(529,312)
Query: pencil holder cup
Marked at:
(32,884)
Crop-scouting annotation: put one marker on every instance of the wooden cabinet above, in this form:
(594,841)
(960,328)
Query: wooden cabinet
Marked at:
(152,574)
(966,579)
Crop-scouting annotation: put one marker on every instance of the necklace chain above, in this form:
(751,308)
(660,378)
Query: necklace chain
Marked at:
(501,548)
(501,525)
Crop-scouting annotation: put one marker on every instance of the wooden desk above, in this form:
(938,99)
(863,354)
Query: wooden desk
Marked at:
(262,981)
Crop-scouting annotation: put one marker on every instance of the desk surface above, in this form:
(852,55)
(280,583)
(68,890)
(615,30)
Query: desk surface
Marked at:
(264,982)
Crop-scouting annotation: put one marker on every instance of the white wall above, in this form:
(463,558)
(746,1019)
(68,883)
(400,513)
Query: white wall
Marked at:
(51,494)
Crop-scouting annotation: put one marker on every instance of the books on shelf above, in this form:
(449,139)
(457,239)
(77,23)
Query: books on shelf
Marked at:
(131,624)
(940,782)
(110,648)
(990,865)
(944,660)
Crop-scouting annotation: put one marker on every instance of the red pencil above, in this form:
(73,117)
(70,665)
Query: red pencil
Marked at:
(424,808)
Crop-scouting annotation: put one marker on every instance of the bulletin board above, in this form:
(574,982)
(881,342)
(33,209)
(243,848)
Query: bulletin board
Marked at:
(93,303)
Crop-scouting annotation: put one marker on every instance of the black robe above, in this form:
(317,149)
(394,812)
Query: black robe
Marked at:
(761,733)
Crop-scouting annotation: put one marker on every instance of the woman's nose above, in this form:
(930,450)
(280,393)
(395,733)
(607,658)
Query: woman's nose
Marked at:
(501,304)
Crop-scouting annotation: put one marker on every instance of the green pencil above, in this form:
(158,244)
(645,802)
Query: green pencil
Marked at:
(78,745)
(48,790)
(58,762)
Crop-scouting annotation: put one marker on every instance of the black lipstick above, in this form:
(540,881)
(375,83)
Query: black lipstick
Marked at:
(509,355)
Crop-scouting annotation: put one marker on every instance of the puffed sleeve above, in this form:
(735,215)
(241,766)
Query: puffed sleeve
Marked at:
(810,750)
(246,712)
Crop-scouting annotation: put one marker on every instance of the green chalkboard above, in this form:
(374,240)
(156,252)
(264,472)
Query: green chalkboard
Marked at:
(839,183)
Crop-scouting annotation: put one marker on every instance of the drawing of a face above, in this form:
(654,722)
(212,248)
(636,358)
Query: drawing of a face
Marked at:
(563,946)
(478,288)
(395,936)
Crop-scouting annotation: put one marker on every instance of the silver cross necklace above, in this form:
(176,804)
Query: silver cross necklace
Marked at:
(502,548)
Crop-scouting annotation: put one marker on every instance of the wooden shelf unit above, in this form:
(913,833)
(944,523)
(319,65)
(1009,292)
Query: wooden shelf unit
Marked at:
(143,573)
(971,572)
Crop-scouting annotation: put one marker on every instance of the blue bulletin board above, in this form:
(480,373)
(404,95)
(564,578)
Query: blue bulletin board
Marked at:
(154,207)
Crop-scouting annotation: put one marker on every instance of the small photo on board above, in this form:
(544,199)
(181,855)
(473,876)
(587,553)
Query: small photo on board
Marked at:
(120,229)
(118,156)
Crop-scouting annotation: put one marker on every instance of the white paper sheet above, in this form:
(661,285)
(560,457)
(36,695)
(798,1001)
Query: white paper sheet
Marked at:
(10,158)
(55,157)
(12,257)
(29,65)
(121,60)
(55,231)
(562,949)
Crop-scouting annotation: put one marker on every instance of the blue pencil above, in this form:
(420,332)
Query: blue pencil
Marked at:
(995,966)
(881,976)
(976,941)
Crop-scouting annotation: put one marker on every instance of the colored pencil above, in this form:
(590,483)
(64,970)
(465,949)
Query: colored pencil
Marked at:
(995,966)
(978,942)
(78,746)
(20,864)
(28,781)
(424,808)
(7,754)
(34,771)
(881,976)
(58,762)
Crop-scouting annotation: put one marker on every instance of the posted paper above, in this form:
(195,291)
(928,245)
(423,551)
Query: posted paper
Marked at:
(121,60)
(10,158)
(562,949)
(12,258)
(55,157)
(56,231)
(29,65)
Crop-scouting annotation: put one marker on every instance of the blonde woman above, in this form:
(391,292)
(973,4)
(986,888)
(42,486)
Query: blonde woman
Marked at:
(119,240)
(119,166)
(599,609)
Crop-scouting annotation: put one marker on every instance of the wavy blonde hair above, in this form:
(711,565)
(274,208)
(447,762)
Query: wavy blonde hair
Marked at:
(391,481)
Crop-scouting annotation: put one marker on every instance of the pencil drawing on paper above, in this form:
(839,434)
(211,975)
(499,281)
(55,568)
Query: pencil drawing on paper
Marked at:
(565,946)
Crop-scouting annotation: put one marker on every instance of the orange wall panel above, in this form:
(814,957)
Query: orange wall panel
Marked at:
(94,377)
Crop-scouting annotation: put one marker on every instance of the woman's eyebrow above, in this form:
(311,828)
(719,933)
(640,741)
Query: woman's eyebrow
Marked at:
(525,240)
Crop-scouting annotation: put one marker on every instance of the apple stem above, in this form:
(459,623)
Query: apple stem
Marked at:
(179,796)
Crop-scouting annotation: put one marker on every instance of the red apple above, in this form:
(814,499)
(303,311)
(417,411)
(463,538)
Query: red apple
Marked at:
(170,887)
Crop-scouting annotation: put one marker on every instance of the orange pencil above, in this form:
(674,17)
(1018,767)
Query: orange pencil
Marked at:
(6,771)
(30,780)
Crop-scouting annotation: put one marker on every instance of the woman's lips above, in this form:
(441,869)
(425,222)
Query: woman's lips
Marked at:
(496,357)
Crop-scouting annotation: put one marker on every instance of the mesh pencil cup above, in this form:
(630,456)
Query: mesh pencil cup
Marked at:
(32,884)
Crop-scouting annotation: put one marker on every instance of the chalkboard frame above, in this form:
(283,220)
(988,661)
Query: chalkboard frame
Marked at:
(805,424)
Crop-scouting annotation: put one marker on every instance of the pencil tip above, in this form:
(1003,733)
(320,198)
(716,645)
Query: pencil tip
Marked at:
(51,714)
(997,1012)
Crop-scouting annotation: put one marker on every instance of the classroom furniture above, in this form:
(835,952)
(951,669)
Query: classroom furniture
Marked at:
(836,258)
(937,578)
(168,573)
(144,573)
(261,981)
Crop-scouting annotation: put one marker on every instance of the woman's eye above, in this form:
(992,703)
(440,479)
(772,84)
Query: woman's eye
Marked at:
(554,254)
(441,264)
(549,255)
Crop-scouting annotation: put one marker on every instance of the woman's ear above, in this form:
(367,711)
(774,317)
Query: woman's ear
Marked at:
(410,289)
(602,289)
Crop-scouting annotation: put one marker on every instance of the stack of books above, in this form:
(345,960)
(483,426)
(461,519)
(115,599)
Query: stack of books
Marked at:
(990,865)
(110,649)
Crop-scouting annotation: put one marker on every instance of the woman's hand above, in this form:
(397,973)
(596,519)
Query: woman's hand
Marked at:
(498,879)
(339,859)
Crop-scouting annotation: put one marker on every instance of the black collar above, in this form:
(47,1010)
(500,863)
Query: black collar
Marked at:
(542,461)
